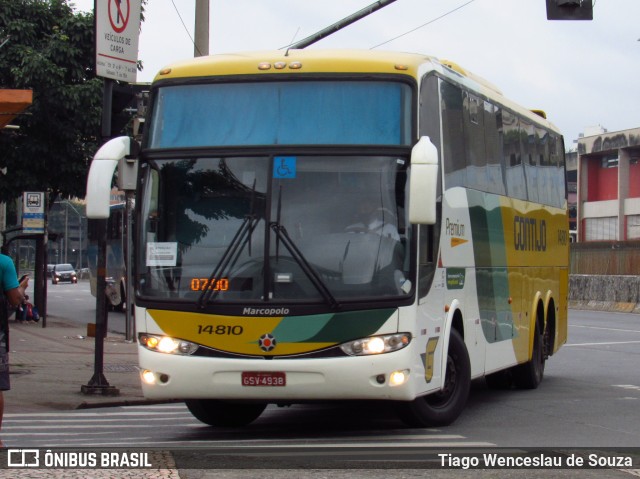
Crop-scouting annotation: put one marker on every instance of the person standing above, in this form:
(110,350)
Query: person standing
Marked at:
(12,294)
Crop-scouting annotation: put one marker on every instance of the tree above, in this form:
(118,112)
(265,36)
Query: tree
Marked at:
(50,50)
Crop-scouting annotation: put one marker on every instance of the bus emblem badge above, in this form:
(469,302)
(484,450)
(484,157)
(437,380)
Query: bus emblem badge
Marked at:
(267,342)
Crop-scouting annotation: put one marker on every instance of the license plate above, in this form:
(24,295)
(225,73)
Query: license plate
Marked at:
(270,378)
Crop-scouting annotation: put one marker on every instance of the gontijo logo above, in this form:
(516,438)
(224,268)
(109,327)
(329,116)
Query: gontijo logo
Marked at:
(529,234)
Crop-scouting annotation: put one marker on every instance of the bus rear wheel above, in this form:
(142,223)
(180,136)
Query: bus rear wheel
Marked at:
(443,407)
(529,375)
(224,414)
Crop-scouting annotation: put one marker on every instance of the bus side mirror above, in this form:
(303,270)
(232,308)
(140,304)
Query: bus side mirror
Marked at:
(423,183)
(101,173)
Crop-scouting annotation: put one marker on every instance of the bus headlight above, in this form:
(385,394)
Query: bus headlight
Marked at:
(148,377)
(398,378)
(376,344)
(166,344)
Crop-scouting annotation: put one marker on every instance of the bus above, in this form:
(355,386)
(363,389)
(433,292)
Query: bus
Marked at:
(320,225)
(115,258)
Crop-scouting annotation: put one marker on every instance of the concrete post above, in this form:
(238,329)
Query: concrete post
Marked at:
(582,194)
(201,35)
(623,192)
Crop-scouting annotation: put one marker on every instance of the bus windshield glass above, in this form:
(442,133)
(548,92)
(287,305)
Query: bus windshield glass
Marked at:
(309,229)
(281,113)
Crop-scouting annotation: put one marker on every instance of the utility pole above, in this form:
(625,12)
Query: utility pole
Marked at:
(569,9)
(201,35)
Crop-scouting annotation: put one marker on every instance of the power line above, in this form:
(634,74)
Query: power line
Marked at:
(423,25)
(185,27)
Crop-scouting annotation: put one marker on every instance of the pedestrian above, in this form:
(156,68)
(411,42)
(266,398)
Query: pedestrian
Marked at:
(13,295)
(27,312)
(24,312)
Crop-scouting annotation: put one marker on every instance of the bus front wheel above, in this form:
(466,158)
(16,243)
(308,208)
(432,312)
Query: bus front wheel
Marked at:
(224,414)
(443,407)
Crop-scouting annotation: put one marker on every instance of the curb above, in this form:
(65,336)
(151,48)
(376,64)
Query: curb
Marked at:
(605,306)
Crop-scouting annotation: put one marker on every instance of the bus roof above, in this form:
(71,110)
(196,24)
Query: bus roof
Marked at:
(316,61)
(275,62)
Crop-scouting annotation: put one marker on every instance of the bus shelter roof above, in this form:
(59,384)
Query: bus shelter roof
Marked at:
(12,103)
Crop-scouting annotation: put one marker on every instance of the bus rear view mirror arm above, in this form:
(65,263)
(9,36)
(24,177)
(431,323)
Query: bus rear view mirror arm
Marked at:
(423,182)
(101,173)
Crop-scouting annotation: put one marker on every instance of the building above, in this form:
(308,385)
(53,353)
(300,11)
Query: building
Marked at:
(571,158)
(608,193)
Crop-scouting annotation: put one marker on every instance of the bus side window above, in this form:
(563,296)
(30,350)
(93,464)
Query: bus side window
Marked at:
(430,111)
(454,157)
(493,148)
(514,170)
(152,198)
(432,105)
(428,242)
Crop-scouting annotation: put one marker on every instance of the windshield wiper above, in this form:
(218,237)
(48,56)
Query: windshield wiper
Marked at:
(283,236)
(231,254)
(296,254)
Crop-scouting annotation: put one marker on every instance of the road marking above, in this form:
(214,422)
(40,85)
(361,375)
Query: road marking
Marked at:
(627,386)
(603,344)
(607,329)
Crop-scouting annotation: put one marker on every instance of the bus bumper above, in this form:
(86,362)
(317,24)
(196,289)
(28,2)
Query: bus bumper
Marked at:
(165,376)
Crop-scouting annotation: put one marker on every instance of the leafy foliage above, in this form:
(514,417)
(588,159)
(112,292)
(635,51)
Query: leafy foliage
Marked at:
(50,50)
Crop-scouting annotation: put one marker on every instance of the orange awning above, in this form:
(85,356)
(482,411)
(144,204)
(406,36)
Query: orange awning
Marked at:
(12,103)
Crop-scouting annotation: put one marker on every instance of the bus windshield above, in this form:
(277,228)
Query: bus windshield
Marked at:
(282,113)
(310,229)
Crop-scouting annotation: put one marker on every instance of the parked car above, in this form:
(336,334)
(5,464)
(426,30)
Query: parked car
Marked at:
(63,272)
(50,270)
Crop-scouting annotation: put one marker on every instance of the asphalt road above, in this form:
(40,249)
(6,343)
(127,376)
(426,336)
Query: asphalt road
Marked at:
(76,303)
(590,396)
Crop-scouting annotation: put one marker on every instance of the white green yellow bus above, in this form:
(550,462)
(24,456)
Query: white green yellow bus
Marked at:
(341,225)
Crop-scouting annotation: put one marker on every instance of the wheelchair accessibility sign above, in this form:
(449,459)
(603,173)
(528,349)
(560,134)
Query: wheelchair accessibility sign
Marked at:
(284,167)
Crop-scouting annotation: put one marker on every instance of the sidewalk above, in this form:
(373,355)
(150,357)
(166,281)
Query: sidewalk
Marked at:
(50,365)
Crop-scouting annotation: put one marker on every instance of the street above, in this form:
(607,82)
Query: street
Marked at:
(75,302)
(589,398)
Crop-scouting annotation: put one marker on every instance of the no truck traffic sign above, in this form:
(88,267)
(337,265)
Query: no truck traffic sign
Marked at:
(117,31)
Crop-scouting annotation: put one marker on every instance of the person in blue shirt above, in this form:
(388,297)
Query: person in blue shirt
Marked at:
(12,294)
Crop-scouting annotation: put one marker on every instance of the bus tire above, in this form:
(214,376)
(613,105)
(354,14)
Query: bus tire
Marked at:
(529,375)
(224,414)
(443,407)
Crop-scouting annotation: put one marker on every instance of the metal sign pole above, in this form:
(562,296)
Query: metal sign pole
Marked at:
(129,326)
(98,384)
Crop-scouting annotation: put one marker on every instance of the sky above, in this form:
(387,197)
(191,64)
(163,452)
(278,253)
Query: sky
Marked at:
(581,73)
